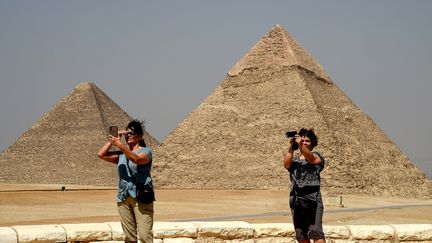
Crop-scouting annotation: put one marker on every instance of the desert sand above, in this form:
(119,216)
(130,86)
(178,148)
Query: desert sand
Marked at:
(48,204)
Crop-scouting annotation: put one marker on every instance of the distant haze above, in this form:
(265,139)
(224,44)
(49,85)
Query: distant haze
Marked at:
(159,60)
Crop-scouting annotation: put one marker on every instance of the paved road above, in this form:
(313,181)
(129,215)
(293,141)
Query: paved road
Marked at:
(285,213)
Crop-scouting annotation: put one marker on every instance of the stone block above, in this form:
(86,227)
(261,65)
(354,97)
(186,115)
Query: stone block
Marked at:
(329,240)
(239,241)
(367,241)
(336,232)
(209,240)
(40,233)
(413,232)
(276,240)
(87,232)
(227,230)
(218,240)
(333,201)
(116,230)
(178,240)
(110,241)
(372,232)
(162,230)
(273,230)
(8,235)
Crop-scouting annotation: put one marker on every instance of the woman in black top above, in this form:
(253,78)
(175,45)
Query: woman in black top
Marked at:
(304,166)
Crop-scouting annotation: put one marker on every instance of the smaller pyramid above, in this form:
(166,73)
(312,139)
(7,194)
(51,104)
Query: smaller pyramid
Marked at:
(61,147)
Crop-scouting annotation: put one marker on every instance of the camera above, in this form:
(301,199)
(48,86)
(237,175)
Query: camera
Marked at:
(291,135)
(294,145)
(113,130)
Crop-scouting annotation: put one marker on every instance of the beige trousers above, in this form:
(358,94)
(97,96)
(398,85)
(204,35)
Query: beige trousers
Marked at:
(135,217)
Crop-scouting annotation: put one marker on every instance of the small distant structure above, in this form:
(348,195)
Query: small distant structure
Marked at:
(61,147)
(235,138)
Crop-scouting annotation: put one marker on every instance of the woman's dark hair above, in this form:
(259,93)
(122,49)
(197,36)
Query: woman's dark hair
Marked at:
(310,134)
(138,128)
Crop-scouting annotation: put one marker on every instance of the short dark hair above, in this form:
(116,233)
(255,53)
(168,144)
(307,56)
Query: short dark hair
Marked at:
(304,132)
(138,128)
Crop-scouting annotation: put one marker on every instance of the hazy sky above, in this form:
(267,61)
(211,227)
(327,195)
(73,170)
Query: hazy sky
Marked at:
(159,59)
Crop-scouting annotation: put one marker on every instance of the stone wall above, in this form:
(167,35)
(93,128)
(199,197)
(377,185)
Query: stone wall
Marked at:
(221,231)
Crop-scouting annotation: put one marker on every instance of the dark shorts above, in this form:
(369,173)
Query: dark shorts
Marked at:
(308,224)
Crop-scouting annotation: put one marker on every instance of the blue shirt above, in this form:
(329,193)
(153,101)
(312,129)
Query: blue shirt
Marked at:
(131,174)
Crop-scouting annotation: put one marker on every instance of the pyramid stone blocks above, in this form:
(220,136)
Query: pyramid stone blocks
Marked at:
(235,138)
(61,147)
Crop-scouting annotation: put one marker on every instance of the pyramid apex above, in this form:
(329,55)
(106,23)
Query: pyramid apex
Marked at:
(278,48)
(84,85)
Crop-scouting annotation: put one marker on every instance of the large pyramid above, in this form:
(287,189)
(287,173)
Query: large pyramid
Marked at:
(235,138)
(61,147)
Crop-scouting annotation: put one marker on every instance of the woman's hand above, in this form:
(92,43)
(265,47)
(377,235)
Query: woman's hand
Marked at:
(290,154)
(114,140)
(122,133)
(298,139)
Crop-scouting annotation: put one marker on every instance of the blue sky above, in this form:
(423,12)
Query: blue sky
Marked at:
(159,59)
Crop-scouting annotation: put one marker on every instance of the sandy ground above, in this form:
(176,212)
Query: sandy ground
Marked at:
(48,204)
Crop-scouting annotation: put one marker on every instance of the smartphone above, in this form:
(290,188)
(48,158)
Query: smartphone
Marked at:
(291,134)
(113,130)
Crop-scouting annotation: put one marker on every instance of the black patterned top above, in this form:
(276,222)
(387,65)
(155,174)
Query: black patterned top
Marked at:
(303,173)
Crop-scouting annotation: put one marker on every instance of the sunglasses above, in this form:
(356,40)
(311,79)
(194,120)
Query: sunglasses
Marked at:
(128,134)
